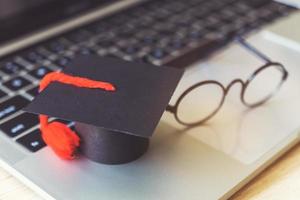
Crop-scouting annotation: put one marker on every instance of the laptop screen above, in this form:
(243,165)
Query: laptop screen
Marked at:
(20,17)
(9,8)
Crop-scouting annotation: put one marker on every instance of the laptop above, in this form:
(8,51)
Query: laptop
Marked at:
(206,162)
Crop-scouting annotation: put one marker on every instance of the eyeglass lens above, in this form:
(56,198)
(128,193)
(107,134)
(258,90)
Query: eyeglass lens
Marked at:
(263,85)
(199,103)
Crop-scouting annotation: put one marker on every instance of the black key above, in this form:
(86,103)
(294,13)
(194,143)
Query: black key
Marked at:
(19,124)
(258,3)
(105,43)
(176,6)
(40,72)
(11,106)
(146,59)
(17,83)
(204,48)
(11,68)
(126,31)
(99,27)
(229,32)
(212,23)
(57,47)
(34,57)
(185,21)
(62,62)
(63,121)
(177,44)
(158,53)
(34,91)
(194,35)
(164,28)
(85,51)
(33,141)
(2,94)
(79,36)
(45,53)
(149,40)
(67,123)
(130,50)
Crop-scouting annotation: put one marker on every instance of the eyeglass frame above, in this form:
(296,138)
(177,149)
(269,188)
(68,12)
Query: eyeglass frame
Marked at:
(174,108)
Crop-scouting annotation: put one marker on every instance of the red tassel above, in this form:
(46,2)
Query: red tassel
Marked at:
(60,138)
(56,135)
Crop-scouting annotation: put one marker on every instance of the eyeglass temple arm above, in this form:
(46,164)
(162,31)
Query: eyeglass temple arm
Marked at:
(170,108)
(252,49)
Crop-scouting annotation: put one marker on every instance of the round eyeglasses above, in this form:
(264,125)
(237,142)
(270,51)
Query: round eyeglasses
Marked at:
(210,95)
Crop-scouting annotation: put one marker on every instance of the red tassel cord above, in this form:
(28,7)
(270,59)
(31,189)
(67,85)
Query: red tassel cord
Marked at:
(59,136)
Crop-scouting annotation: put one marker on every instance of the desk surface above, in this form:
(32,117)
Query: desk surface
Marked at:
(279,181)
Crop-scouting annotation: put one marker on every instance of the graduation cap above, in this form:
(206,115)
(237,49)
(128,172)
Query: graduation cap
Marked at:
(115,104)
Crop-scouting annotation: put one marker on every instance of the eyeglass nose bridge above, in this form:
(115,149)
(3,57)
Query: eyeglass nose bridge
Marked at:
(234,82)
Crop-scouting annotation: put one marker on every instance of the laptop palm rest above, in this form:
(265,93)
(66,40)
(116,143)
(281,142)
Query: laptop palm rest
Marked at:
(207,162)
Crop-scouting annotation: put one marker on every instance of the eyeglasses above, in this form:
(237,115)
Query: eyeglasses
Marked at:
(260,87)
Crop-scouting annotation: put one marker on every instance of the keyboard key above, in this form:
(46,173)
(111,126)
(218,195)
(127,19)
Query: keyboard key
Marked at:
(177,44)
(40,72)
(158,53)
(17,83)
(32,141)
(44,52)
(2,94)
(126,31)
(258,3)
(34,57)
(57,47)
(194,35)
(62,61)
(19,124)
(79,36)
(85,51)
(34,91)
(148,40)
(130,50)
(98,28)
(11,106)
(204,47)
(105,43)
(63,121)
(11,68)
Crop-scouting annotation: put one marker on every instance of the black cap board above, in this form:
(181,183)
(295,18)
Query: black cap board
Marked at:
(143,91)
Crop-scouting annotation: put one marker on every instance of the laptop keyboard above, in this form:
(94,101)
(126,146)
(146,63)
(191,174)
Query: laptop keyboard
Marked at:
(166,32)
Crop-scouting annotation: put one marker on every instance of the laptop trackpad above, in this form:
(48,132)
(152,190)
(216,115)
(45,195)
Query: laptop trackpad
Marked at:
(286,32)
(243,133)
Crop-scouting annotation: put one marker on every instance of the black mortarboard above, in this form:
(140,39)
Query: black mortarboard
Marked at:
(114,127)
